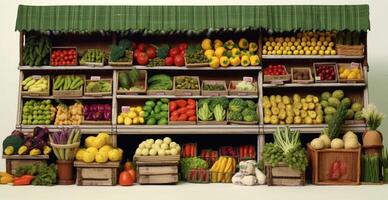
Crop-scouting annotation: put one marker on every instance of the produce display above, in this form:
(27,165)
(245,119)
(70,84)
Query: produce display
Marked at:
(97,112)
(242,110)
(209,155)
(93,56)
(246,86)
(69,115)
(223,170)
(303,43)
(213,109)
(160,82)
(219,53)
(98,86)
(64,57)
(350,73)
(247,152)
(190,165)
(36,84)
(36,174)
(68,82)
(38,112)
(348,38)
(36,50)
(176,54)
(194,56)
(65,136)
(325,72)
(301,74)
(151,147)
(186,82)
(275,70)
(213,87)
(183,110)
(134,116)
(189,150)
(121,52)
(286,148)
(130,80)
(98,149)
(33,144)
(296,110)
(249,175)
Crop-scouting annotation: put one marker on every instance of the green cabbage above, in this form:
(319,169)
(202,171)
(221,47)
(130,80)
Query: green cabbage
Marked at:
(235,116)
(237,105)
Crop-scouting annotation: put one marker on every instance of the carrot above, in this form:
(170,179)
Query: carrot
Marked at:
(192,153)
(182,117)
(190,113)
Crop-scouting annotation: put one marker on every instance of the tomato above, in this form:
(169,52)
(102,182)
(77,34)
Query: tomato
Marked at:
(125,178)
(182,46)
(151,52)
(179,60)
(182,110)
(172,106)
(182,117)
(173,52)
(142,59)
(175,113)
(190,101)
(190,106)
(181,103)
(174,118)
(193,118)
(141,46)
(190,113)
(182,53)
(136,53)
(128,166)
(169,61)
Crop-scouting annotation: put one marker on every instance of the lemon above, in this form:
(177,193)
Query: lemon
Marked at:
(120,119)
(89,141)
(128,121)
(352,75)
(135,120)
(80,154)
(114,155)
(333,52)
(138,109)
(105,148)
(132,109)
(92,150)
(132,114)
(102,157)
(141,120)
(141,114)
(88,157)
(99,142)
(104,136)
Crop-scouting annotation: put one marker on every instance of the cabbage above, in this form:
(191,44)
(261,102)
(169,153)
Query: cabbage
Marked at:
(235,116)
(251,104)
(325,96)
(249,115)
(245,86)
(237,105)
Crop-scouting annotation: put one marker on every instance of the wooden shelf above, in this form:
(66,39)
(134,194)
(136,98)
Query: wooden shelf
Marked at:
(137,67)
(313,129)
(323,57)
(188,129)
(178,97)
(85,129)
(25,157)
(289,85)
(52,97)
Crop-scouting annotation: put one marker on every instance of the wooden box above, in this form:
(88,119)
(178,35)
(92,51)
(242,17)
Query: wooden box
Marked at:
(142,83)
(296,69)
(350,50)
(14,161)
(129,54)
(96,174)
(157,169)
(63,48)
(351,66)
(244,122)
(183,122)
(330,64)
(98,94)
(232,90)
(69,93)
(322,161)
(93,64)
(214,92)
(282,175)
(280,79)
(36,77)
(160,92)
(187,92)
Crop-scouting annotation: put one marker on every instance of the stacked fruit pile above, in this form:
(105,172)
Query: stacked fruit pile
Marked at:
(69,115)
(93,56)
(331,101)
(35,84)
(68,82)
(38,112)
(134,116)
(62,57)
(223,170)
(222,54)
(305,43)
(151,147)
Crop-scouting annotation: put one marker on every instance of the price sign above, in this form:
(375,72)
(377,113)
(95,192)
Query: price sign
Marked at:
(36,77)
(95,78)
(248,79)
(125,109)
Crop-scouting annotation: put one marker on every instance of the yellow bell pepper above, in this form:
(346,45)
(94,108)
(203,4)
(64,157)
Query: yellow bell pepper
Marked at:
(9,150)
(229,44)
(245,53)
(243,43)
(214,62)
(209,53)
(228,53)
(206,44)
(218,43)
(234,60)
(236,52)
(224,61)
(219,51)
(46,150)
(35,152)
(252,46)
(254,59)
(245,61)
(22,150)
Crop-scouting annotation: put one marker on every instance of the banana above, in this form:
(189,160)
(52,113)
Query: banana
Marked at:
(233,165)
(215,166)
(223,164)
(31,82)
(28,79)
(228,167)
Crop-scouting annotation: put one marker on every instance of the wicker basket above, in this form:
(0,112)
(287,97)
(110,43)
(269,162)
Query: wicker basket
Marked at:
(57,148)
(350,50)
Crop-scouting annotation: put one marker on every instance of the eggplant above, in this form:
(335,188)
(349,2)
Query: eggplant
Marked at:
(86,108)
(107,115)
(89,116)
(100,107)
(97,116)
(107,107)
(93,107)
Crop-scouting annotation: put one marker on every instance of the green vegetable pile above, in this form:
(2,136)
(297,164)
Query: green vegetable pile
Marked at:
(214,87)
(156,62)
(186,82)
(196,56)
(212,108)
(36,51)
(370,168)
(121,52)
(68,82)
(93,55)
(242,110)
(160,82)
(130,80)
(44,174)
(99,86)
(286,148)
(156,112)
(38,112)
(192,163)
(384,164)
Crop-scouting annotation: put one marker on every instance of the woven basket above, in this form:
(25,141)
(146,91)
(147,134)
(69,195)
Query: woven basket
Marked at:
(61,147)
(350,50)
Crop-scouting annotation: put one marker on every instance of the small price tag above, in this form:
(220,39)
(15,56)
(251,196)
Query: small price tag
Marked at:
(95,78)
(354,65)
(318,78)
(248,79)
(36,77)
(125,109)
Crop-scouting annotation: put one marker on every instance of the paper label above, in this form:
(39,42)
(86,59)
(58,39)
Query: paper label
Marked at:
(318,78)
(248,79)
(36,77)
(95,78)
(125,109)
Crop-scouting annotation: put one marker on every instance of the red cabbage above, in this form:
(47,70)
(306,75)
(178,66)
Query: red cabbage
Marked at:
(107,107)
(107,115)
(86,108)
(100,107)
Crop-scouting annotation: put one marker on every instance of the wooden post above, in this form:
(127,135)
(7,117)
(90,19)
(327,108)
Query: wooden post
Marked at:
(21,45)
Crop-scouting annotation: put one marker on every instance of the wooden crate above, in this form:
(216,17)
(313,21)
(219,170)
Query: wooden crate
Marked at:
(282,175)
(232,90)
(214,92)
(142,83)
(321,162)
(96,174)
(157,169)
(160,92)
(97,94)
(14,161)
(351,66)
(244,122)
(186,92)
(295,69)
(69,93)
(331,64)
(122,63)
(36,77)
(279,79)
(350,50)
(63,48)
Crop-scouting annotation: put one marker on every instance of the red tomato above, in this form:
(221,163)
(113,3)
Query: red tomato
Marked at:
(172,106)
(169,61)
(125,178)
(142,59)
(182,53)
(174,118)
(128,166)
(179,60)
(141,46)
(175,113)
(136,53)
(182,117)
(151,52)
(182,46)
(173,52)
(181,103)
(182,110)
(192,118)
(190,113)
(190,106)
(190,101)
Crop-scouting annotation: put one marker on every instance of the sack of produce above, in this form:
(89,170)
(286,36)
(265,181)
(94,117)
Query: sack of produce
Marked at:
(247,167)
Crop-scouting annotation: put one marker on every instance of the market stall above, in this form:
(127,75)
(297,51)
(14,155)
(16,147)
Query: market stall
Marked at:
(217,80)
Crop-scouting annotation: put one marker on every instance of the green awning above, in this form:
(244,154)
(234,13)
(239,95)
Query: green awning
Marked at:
(195,18)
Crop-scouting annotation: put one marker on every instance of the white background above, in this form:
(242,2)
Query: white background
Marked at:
(377,56)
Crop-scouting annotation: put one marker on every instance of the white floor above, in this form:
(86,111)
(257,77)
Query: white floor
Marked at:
(195,191)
